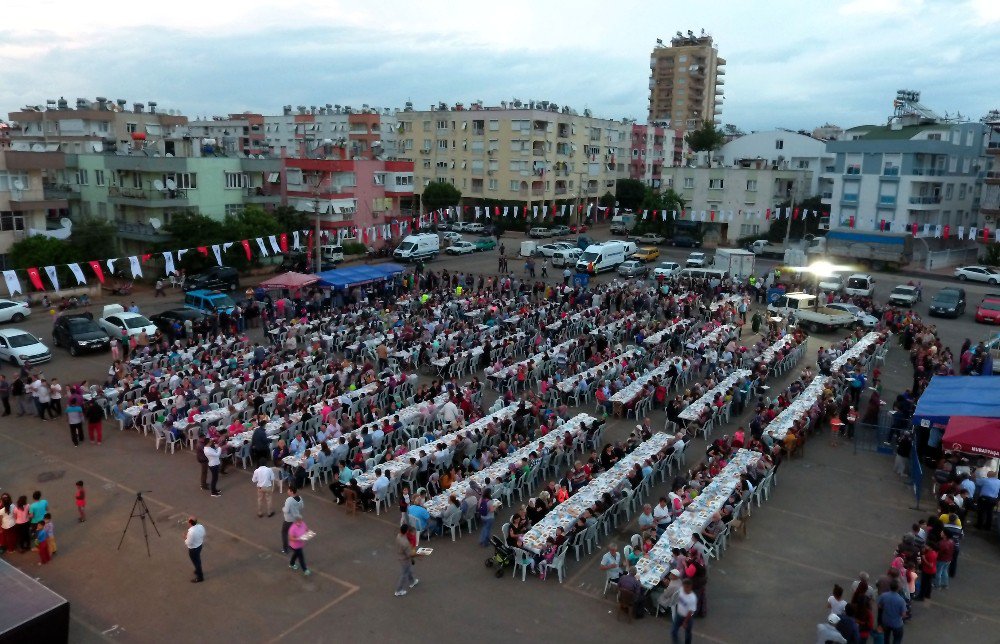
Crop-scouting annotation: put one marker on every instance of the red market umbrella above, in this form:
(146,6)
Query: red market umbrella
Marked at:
(973,435)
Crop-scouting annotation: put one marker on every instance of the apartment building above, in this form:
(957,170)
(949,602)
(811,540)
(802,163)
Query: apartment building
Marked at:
(919,169)
(653,148)
(534,153)
(233,135)
(745,191)
(686,81)
(350,193)
(989,200)
(780,150)
(331,131)
(97,126)
(27,200)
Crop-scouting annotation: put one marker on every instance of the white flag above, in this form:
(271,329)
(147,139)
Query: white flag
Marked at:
(562,210)
(111,266)
(136,267)
(168,262)
(51,272)
(13,284)
(295,240)
(77,273)
(180,253)
(961,232)
(534,212)
(545,210)
(263,248)
(663,214)
(505,211)
(274,244)
(937,230)
(227,246)
(218,253)
(972,233)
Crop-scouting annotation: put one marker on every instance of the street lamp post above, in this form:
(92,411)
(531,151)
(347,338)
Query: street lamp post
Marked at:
(315,181)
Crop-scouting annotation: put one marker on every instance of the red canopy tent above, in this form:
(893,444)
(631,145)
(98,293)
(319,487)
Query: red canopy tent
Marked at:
(973,435)
(290,280)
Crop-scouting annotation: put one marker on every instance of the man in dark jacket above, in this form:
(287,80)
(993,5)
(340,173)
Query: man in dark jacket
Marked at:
(203,461)
(260,445)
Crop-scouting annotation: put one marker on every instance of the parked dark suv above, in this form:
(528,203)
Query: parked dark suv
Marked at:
(686,241)
(217,278)
(79,333)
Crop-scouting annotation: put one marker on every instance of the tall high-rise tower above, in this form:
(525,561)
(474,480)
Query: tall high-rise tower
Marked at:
(685,81)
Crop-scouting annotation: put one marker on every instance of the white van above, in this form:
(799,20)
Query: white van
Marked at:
(630,248)
(701,273)
(601,257)
(860,284)
(528,248)
(333,254)
(566,257)
(416,247)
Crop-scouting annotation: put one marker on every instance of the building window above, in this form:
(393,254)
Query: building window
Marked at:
(803,164)
(749,229)
(82,177)
(716,184)
(442,144)
(477,186)
(515,185)
(442,125)
(131,128)
(949,190)
(427,163)
(235,180)
(493,184)
(779,144)
(11,221)
(378,178)
(689,182)
(494,145)
(186,181)
(102,209)
(751,185)
(137,181)
(99,177)
(961,191)
(233,209)
(494,125)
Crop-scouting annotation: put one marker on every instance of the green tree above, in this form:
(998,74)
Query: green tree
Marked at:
(706,138)
(798,228)
(93,239)
(667,201)
(629,193)
(252,222)
(439,194)
(289,218)
(191,230)
(37,251)
(607,200)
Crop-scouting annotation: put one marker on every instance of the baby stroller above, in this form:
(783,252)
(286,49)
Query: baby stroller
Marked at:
(502,557)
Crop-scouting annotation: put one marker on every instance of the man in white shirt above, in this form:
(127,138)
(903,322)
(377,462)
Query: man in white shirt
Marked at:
(381,483)
(449,413)
(298,445)
(687,605)
(662,516)
(194,539)
(263,478)
(214,455)
(611,562)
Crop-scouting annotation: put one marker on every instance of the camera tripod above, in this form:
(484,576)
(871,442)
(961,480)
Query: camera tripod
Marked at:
(143,514)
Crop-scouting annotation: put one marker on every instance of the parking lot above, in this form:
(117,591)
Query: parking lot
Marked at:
(833,513)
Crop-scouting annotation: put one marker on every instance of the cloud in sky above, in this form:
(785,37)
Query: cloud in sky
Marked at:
(789,64)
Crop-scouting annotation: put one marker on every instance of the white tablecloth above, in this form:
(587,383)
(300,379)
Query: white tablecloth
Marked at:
(798,408)
(611,366)
(692,411)
(856,351)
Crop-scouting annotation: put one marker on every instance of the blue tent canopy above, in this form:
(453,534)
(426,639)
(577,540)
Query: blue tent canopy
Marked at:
(354,275)
(948,396)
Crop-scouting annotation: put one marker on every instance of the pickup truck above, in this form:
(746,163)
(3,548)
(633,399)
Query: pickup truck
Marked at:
(799,307)
(765,248)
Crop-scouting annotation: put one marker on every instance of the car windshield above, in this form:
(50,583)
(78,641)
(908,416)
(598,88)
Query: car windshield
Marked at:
(137,322)
(222,302)
(903,290)
(850,308)
(588,257)
(990,305)
(82,325)
(406,246)
(22,340)
(946,297)
(857,282)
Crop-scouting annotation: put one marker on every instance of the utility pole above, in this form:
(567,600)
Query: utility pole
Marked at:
(791,211)
(576,204)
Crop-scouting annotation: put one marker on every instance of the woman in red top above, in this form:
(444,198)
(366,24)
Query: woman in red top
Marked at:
(928,569)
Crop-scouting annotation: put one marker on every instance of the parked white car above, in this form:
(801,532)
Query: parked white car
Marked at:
(11,311)
(461,248)
(667,269)
(651,238)
(978,274)
(865,319)
(451,236)
(22,348)
(548,250)
(904,295)
(116,319)
(698,260)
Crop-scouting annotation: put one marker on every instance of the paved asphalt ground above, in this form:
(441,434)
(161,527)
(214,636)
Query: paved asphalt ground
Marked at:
(832,514)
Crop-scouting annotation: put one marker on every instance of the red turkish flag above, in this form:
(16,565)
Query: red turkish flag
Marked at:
(246,248)
(146,257)
(768,215)
(283,242)
(683,214)
(947,231)
(98,271)
(496,211)
(851,221)
(986,235)
(36,279)
(711,214)
(914,229)
(795,214)
(881,226)
(526,211)
(203,250)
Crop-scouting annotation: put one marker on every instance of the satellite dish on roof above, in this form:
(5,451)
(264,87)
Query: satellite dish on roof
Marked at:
(171,184)
(18,184)
(155,223)
(158,184)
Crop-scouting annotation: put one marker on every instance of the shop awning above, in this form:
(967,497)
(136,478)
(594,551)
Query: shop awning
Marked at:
(290,280)
(973,435)
(357,275)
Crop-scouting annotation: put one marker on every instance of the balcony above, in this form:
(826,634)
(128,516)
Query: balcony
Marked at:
(148,199)
(260,195)
(537,192)
(852,174)
(830,168)
(826,195)
(928,172)
(538,152)
(886,200)
(993,147)
(60,191)
(146,164)
(141,232)
(890,174)
(925,201)
(993,178)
